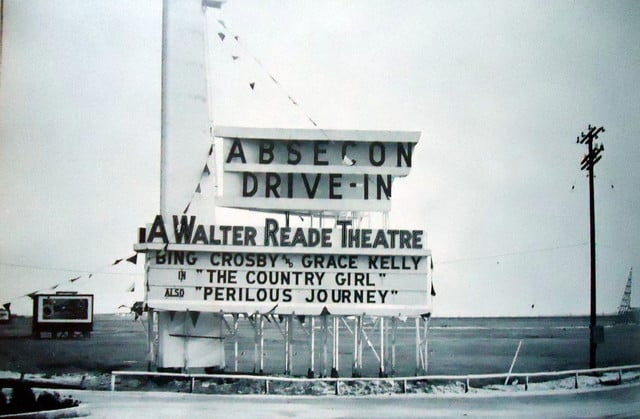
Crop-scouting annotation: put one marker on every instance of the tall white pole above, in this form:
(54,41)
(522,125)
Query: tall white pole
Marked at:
(163,110)
(1,31)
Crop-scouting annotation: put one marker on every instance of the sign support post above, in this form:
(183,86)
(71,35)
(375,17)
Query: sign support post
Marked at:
(426,344)
(382,348)
(355,369)
(418,340)
(235,342)
(311,371)
(256,344)
(336,346)
(325,337)
(394,328)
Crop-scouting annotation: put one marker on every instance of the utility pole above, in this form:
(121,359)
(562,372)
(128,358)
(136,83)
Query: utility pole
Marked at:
(588,163)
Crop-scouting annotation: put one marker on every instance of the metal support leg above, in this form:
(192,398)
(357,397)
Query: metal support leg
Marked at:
(311,370)
(256,344)
(382,372)
(417,325)
(292,326)
(286,345)
(356,367)
(151,359)
(426,345)
(185,347)
(394,328)
(336,347)
(235,342)
(360,340)
(325,326)
(261,329)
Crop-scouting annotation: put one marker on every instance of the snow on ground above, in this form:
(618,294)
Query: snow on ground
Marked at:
(169,397)
(350,387)
(612,401)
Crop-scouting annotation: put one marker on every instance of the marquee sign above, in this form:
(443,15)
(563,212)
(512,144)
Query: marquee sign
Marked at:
(289,284)
(312,170)
(184,233)
(282,270)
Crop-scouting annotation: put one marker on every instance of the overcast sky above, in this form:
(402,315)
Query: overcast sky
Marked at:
(500,90)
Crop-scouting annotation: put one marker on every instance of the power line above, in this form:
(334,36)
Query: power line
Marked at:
(45,268)
(522,252)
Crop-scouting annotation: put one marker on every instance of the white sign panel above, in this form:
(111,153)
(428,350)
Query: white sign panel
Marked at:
(312,170)
(282,270)
(289,292)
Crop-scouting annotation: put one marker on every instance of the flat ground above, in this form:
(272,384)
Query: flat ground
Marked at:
(456,347)
(618,402)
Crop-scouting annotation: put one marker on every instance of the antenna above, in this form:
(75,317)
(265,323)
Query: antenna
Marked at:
(625,304)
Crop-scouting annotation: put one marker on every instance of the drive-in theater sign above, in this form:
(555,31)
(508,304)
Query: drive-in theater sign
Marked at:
(332,267)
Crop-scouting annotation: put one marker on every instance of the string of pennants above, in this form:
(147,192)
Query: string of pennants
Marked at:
(192,314)
(205,173)
(131,259)
(225,33)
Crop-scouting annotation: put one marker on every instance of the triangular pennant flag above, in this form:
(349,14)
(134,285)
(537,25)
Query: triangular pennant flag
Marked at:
(237,38)
(194,317)
(433,290)
(133,259)
(432,264)
(206,170)
(7,306)
(90,275)
(221,22)
(132,288)
(198,190)
(221,35)
(252,85)
(235,57)
(54,287)
(273,309)
(172,314)
(74,279)
(117,261)
(211,149)
(186,208)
